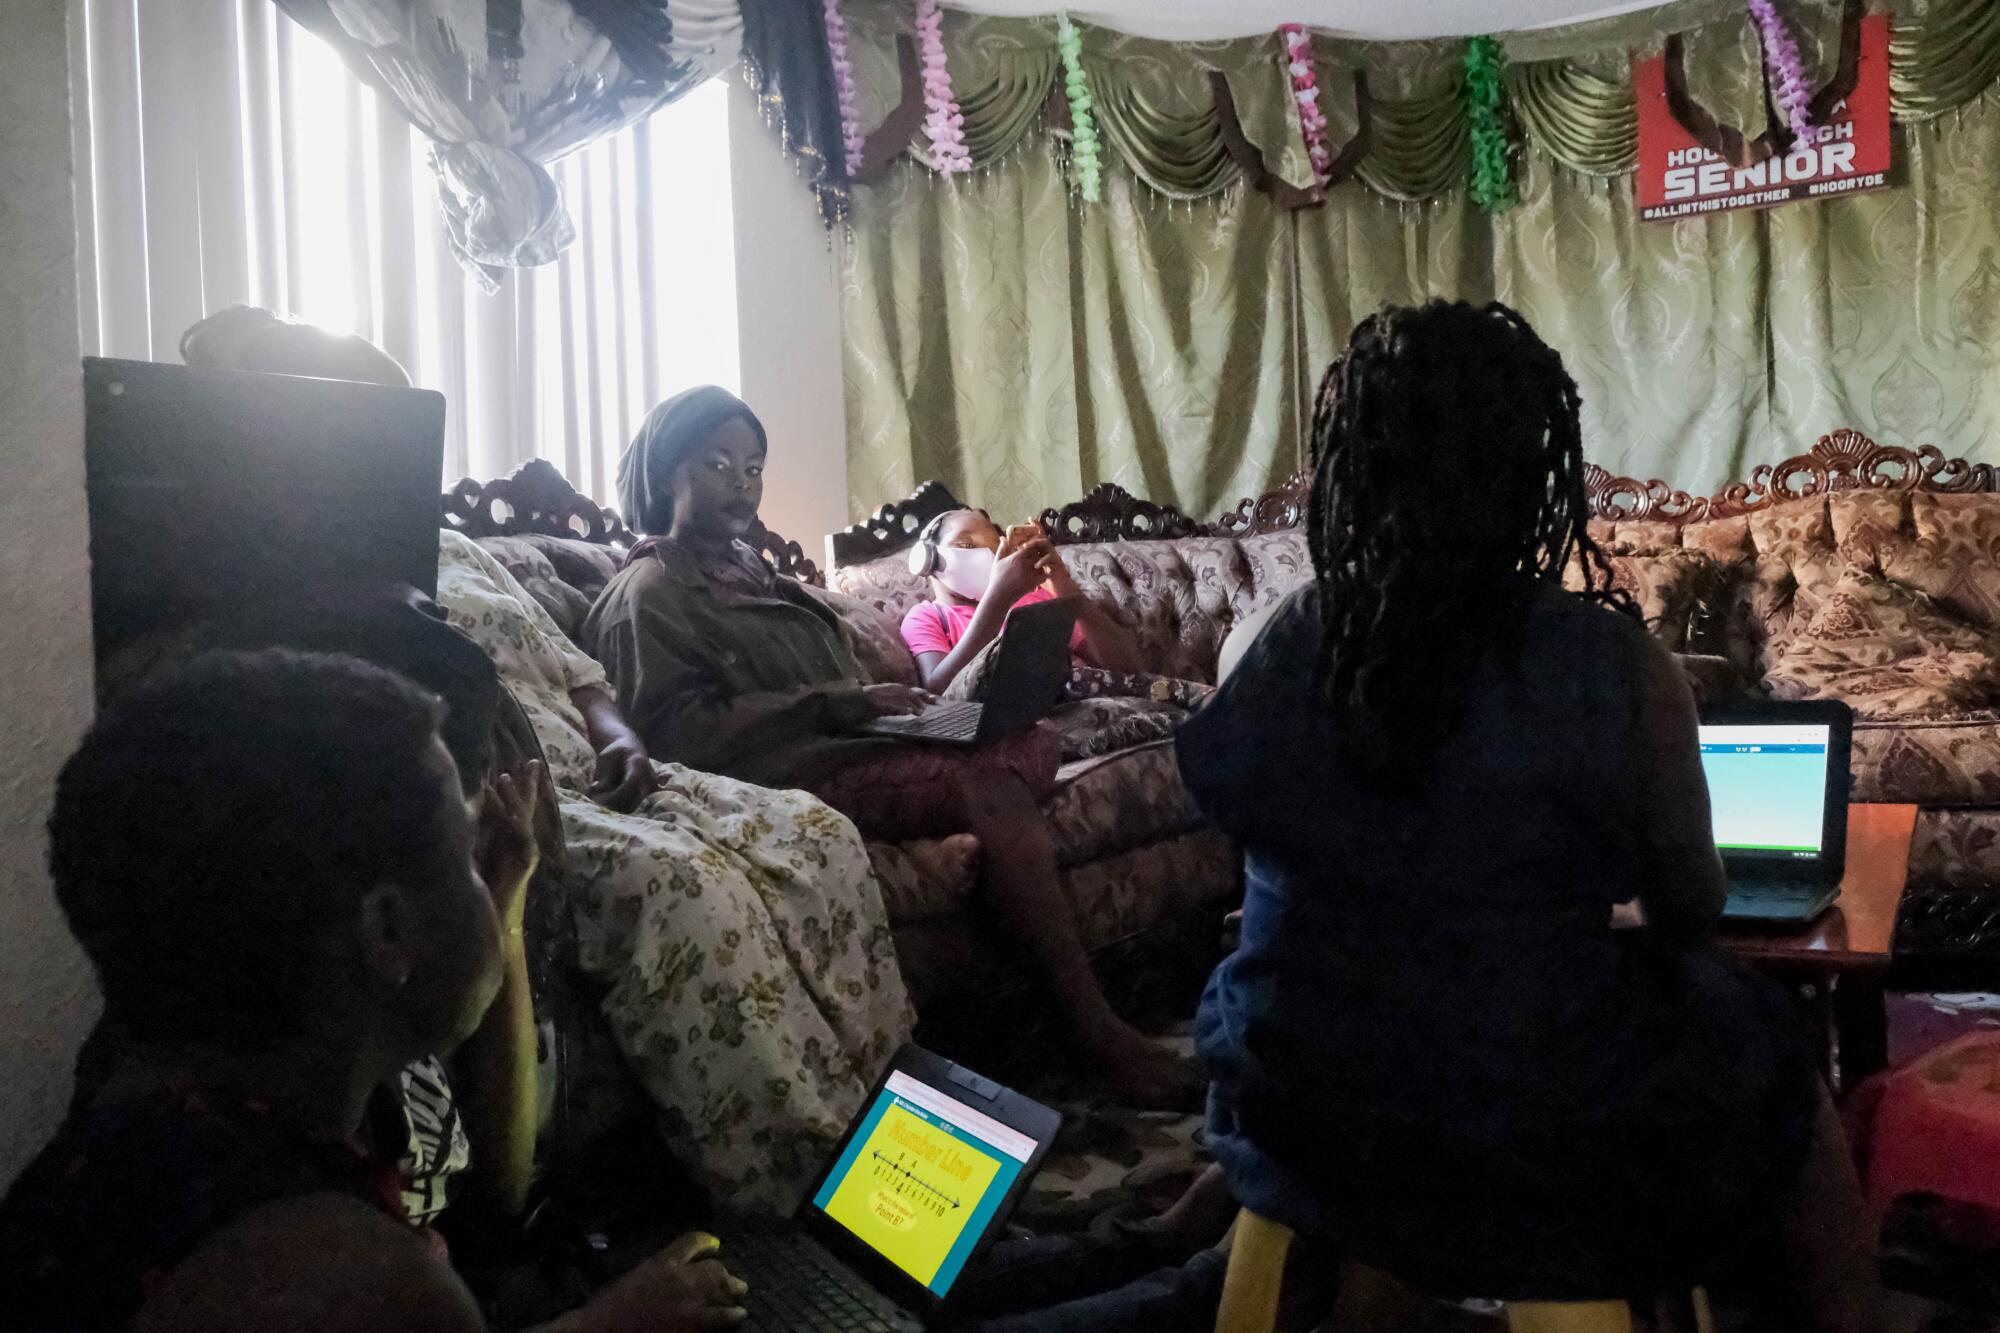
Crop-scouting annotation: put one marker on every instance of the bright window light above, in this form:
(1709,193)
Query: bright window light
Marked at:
(569,356)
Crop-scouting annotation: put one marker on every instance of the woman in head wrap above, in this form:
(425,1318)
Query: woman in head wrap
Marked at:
(724,666)
(738,935)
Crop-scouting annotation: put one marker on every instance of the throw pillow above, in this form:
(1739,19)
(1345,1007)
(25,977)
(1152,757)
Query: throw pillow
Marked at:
(1887,652)
(1671,588)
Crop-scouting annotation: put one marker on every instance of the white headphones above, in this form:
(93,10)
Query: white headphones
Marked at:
(925,558)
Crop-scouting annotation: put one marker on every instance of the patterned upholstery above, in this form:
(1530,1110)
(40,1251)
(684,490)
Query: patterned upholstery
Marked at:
(566,602)
(1957,849)
(886,584)
(1122,894)
(1669,587)
(1938,762)
(1952,552)
(926,877)
(1114,803)
(1887,652)
(1101,726)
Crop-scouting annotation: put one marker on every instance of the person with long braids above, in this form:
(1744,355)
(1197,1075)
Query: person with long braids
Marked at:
(1473,1034)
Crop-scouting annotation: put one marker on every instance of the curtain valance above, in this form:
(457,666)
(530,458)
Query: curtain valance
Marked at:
(1569,89)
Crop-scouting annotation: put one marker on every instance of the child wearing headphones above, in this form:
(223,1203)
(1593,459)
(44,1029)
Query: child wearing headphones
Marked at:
(977,576)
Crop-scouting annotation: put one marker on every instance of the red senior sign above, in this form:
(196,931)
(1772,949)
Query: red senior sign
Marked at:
(1679,178)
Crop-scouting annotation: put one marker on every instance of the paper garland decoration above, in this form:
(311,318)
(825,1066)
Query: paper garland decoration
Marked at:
(1788,75)
(1492,153)
(944,124)
(1305,93)
(845,95)
(1085,145)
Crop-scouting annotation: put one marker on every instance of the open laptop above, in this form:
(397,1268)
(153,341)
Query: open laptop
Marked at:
(923,1181)
(212,490)
(1024,682)
(1777,794)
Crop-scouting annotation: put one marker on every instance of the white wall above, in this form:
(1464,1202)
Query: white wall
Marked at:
(47,999)
(788,328)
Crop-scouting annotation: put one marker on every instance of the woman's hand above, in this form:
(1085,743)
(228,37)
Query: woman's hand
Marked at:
(504,847)
(682,1289)
(624,774)
(897,700)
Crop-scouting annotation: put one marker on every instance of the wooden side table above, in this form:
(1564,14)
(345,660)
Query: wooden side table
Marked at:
(1841,960)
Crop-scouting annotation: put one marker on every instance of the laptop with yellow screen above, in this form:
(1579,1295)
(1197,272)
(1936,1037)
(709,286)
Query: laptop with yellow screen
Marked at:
(924,1180)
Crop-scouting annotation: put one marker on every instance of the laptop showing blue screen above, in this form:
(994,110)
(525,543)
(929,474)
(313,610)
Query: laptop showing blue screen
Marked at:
(1767,788)
(1777,794)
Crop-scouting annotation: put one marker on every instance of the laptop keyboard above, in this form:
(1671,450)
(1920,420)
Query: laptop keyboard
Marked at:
(797,1287)
(954,721)
(1776,899)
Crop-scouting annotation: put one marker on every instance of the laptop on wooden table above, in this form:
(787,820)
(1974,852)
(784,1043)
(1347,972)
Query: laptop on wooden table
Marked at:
(1777,794)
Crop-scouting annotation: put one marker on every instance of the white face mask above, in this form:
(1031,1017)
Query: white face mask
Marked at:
(966,570)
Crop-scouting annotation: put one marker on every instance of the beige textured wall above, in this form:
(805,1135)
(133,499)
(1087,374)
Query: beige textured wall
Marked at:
(788,328)
(47,999)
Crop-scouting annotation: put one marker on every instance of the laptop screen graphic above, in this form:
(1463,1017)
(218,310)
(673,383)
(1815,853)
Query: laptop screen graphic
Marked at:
(1766,788)
(921,1178)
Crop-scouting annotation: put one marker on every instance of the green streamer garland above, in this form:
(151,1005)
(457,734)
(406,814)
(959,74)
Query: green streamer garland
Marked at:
(1492,151)
(1083,140)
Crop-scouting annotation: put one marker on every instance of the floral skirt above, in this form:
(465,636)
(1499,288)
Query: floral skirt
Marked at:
(751,981)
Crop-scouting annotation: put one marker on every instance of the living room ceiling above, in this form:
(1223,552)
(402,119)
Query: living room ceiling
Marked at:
(1196,20)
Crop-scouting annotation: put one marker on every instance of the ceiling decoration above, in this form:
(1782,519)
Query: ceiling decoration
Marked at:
(1205,20)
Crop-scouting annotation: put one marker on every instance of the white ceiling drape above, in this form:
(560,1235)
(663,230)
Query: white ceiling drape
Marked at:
(1209,20)
(226,155)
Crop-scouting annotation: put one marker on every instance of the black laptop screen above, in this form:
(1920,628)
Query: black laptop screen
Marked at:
(211,490)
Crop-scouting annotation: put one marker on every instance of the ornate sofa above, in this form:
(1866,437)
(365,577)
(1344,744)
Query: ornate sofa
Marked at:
(1147,879)
(1859,571)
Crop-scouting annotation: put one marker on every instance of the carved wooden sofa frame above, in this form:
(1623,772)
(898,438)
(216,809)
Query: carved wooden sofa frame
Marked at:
(537,500)
(1844,460)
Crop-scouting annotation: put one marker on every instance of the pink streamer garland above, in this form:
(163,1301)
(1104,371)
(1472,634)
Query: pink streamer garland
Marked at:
(848,99)
(944,124)
(1781,57)
(1305,92)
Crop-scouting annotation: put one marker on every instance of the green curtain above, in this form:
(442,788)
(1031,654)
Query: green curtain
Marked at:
(1023,350)
(1021,346)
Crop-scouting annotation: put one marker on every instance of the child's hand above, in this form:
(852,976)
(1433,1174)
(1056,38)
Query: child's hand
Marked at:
(1020,573)
(1056,575)
(682,1289)
(1018,536)
(504,847)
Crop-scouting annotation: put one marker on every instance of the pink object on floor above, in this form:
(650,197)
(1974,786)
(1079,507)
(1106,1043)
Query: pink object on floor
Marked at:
(1935,1126)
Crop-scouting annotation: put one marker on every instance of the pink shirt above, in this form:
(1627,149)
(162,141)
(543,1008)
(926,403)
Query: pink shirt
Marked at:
(932,628)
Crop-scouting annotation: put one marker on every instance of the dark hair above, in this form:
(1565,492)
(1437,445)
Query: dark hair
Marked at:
(217,340)
(1427,407)
(217,826)
(396,628)
(671,432)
